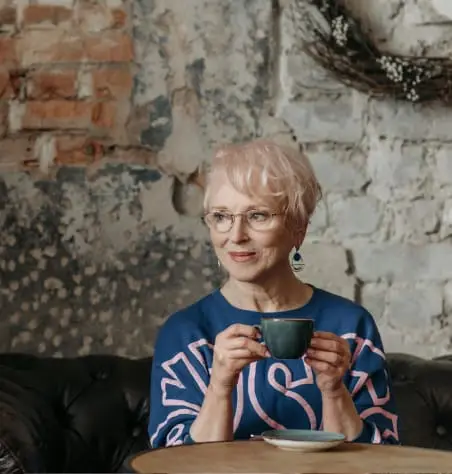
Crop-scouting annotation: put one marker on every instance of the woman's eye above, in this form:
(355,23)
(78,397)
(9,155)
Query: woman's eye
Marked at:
(259,216)
(219,216)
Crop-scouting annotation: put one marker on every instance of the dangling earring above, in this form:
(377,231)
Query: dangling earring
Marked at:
(297,261)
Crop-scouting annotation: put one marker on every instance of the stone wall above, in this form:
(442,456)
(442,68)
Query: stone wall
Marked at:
(110,110)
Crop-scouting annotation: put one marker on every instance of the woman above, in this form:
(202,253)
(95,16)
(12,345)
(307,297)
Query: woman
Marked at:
(212,380)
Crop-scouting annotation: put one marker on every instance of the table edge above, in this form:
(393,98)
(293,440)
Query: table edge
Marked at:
(129,459)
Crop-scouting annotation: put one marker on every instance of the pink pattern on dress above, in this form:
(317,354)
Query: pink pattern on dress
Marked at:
(194,349)
(361,344)
(363,377)
(239,403)
(173,380)
(364,380)
(390,416)
(286,390)
(290,384)
(173,438)
(172,415)
(255,403)
(378,401)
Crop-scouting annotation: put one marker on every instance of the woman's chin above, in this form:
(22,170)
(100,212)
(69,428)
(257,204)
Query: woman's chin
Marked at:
(244,273)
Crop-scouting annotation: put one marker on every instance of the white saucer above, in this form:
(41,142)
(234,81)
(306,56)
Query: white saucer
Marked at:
(307,441)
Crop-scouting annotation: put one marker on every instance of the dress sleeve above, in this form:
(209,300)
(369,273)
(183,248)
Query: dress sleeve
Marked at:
(369,382)
(179,380)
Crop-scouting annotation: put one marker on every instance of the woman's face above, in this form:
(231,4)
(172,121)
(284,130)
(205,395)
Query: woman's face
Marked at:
(248,254)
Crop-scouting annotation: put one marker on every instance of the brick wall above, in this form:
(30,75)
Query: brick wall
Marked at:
(65,82)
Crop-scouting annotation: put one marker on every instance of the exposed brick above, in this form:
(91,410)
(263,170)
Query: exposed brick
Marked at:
(4,109)
(6,90)
(111,46)
(37,47)
(56,46)
(112,83)
(58,114)
(119,18)
(94,17)
(68,115)
(104,115)
(120,131)
(17,81)
(15,152)
(16,112)
(77,150)
(52,85)
(7,15)
(53,14)
(8,53)
(136,155)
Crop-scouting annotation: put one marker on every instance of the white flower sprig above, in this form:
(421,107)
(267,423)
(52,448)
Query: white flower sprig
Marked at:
(339,30)
(394,67)
(401,71)
(342,46)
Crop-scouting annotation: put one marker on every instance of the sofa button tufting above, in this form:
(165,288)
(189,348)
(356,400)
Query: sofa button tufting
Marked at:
(136,432)
(441,431)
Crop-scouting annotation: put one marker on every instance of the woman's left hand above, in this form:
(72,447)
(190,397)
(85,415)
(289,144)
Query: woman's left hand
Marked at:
(329,356)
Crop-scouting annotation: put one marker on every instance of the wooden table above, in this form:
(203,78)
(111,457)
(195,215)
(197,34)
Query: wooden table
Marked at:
(259,457)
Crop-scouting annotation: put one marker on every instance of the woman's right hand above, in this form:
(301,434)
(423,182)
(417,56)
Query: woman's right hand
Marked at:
(234,348)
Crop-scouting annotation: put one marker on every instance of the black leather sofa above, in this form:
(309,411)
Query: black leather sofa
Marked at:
(90,414)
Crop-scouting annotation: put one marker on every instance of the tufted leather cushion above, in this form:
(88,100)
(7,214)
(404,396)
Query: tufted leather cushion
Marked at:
(73,415)
(423,391)
(90,413)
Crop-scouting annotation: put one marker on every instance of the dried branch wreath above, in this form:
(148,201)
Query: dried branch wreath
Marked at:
(341,46)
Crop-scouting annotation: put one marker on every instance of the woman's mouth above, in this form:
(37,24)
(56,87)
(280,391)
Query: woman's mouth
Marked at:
(242,256)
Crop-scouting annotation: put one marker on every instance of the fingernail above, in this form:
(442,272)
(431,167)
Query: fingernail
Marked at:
(267,354)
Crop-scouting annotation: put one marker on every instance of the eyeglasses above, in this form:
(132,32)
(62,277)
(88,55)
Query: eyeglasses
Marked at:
(259,220)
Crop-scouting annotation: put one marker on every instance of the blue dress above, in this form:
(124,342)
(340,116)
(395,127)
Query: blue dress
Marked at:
(270,394)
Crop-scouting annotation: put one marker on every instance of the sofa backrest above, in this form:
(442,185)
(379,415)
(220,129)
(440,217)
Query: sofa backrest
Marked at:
(88,414)
(423,393)
(84,414)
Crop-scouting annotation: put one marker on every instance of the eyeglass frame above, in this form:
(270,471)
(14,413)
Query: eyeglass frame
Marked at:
(233,216)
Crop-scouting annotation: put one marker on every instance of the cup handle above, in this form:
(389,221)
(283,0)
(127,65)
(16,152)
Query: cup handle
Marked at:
(259,328)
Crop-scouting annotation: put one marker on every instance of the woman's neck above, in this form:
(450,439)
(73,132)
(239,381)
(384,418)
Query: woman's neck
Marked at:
(280,293)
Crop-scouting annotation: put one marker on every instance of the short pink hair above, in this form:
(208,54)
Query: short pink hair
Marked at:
(279,174)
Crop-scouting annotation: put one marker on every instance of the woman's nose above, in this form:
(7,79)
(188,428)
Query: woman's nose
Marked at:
(238,232)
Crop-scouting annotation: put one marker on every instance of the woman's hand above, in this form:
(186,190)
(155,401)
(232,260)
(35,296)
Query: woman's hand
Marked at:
(234,348)
(329,356)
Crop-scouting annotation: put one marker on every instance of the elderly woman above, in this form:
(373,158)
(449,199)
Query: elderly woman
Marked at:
(212,379)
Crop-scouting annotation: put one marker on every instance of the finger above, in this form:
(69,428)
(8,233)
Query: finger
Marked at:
(332,358)
(325,335)
(236,330)
(320,366)
(251,345)
(337,344)
(245,354)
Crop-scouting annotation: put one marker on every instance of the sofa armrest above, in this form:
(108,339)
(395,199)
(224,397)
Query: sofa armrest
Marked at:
(30,437)
(18,452)
(9,464)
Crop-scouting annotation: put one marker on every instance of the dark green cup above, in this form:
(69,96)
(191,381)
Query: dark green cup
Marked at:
(287,338)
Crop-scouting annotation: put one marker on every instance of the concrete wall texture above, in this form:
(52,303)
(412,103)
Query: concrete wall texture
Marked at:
(109,112)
